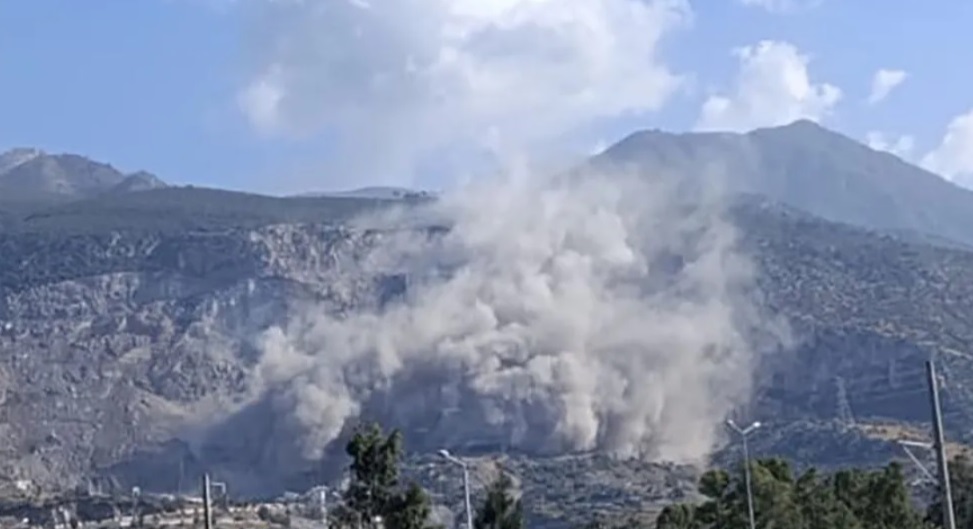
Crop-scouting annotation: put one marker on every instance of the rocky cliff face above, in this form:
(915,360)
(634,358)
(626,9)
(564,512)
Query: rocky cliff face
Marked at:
(137,356)
(112,344)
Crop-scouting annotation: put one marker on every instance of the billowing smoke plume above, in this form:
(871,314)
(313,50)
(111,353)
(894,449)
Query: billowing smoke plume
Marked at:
(558,314)
(552,314)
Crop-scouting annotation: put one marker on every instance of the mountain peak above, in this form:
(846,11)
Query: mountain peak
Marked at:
(802,128)
(139,181)
(808,166)
(32,174)
(804,123)
(17,156)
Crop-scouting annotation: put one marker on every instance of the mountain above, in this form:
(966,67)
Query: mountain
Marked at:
(138,181)
(129,326)
(375,192)
(178,210)
(112,337)
(17,156)
(31,175)
(809,167)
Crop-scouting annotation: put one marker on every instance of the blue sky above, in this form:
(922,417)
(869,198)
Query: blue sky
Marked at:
(254,94)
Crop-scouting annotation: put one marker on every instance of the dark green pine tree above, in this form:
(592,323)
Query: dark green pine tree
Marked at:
(409,510)
(501,509)
(375,489)
(820,507)
(374,470)
(678,516)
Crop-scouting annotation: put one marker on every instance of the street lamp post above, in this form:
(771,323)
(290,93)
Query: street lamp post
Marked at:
(466,483)
(323,491)
(744,432)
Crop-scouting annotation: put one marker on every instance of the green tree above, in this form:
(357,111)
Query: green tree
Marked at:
(678,516)
(819,504)
(718,510)
(501,509)
(887,501)
(775,503)
(409,510)
(849,499)
(632,521)
(375,489)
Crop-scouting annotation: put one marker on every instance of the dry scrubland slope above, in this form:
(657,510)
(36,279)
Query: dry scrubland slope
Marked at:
(128,317)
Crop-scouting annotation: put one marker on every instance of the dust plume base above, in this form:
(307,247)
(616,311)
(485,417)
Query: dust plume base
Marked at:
(604,312)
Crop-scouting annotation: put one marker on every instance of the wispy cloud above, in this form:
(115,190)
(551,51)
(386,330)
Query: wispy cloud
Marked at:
(783,6)
(901,146)
(953,157)
(883,83)
(395,80)
(772,87)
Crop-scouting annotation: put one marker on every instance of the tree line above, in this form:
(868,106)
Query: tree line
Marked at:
(853,498)
(847,499)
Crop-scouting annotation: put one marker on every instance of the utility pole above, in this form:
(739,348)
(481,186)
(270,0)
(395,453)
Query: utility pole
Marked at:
(939,443)
(207,508)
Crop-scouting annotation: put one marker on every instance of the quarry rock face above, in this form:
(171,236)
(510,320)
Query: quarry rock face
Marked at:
(149,343)
(139,359)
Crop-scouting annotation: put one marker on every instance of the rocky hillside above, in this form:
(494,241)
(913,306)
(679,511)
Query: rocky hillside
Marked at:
(131,317)
(124,337)
(114,343)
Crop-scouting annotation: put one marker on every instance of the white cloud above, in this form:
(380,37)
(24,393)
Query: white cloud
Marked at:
(953,158)
(261,100)
(883,83)
(901,146)
(397,79)
(772,88)
(782,6)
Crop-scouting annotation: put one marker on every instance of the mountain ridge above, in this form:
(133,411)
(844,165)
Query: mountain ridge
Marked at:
(124,313)
(809,167)
(801,164)
(372,192)
(30,174)
(155,306)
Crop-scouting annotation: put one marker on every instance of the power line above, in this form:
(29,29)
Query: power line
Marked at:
(887,387)
(843,411)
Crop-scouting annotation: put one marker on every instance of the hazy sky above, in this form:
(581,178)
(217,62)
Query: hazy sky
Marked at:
(286,95)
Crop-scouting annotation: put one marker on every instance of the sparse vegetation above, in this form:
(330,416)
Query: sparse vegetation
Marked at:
(849,497)
(177,210)
(859,302)
(500,508)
